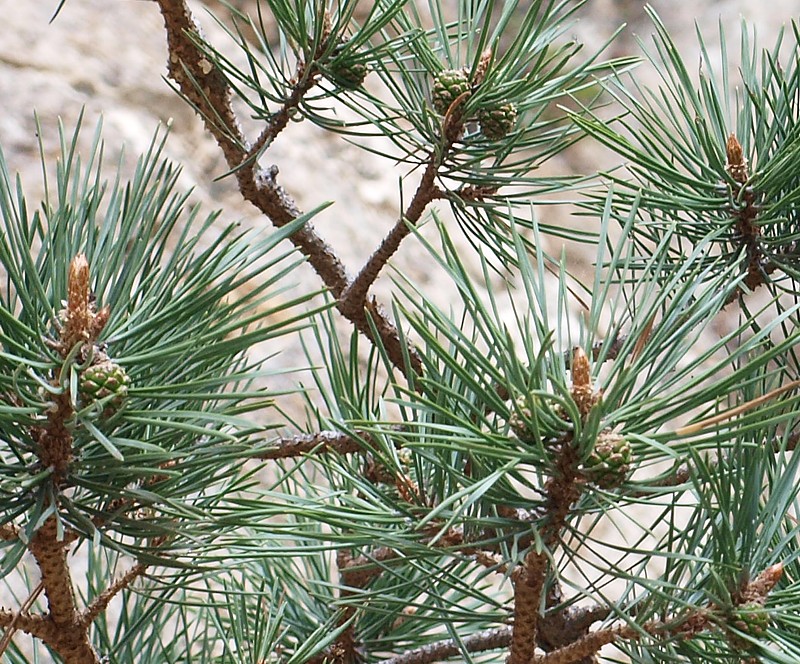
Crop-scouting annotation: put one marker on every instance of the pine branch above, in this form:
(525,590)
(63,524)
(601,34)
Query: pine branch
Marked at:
(490,639)
(39,626)
(562,489)
(72,639)
(62,627)
(322,442)
(427,191)
(355,295)
(586,647)
(206,89)
(100,603)
(81,325)
(575,622)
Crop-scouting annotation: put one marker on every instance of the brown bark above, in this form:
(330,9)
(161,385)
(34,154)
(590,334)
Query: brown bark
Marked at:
(68,637)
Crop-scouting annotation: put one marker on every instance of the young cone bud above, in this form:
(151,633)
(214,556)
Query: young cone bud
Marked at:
(498,121)
(609,462)
(348,75)
(345,70)
(449,85)
(750,618)
(103,380)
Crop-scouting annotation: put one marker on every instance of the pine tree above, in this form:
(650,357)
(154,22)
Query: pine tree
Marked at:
(600,475)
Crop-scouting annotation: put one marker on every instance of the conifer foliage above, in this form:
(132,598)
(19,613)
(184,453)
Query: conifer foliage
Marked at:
(563,470)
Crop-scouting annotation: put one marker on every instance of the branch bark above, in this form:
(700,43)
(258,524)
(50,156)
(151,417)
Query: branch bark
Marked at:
(70,639)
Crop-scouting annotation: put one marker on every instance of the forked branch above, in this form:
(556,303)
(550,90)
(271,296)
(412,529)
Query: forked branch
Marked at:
(204,86)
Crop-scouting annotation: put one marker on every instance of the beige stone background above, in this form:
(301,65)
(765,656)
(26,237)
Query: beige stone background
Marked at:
(107,57)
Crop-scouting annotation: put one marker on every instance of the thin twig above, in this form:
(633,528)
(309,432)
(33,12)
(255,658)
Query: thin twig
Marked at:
(322,442)
(16,617)
(427,191)
(100,602)
(738,410)
(490,639)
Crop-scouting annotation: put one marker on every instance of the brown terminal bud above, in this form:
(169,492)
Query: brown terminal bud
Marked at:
(583,393)
(737,164)
(78,316)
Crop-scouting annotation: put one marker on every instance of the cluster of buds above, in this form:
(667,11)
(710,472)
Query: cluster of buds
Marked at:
(495,121)
(449,85)
(609,462)
(103,380)
(751,619)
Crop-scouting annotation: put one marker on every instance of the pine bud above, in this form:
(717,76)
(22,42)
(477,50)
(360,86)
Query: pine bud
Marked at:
(345,70)
(552,420)
(737,164)
(609,462)
(750,618)
(449,85)
(101,381)
(348,75)
(498,121)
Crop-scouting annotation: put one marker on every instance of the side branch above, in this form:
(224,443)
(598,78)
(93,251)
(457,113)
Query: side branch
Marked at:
(102,600)
(355,296)
(207,90)
(323,442)
(490,639)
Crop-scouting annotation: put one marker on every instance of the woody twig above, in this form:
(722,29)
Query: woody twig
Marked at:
(205,87)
